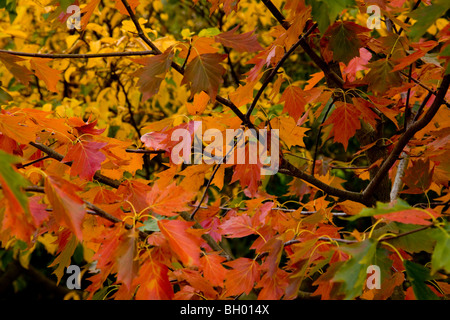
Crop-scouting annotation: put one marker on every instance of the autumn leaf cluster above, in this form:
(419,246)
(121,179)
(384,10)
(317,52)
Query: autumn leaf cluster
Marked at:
(86,147)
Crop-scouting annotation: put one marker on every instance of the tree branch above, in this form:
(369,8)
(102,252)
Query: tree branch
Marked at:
(406,137)
(289,169)
(79,55)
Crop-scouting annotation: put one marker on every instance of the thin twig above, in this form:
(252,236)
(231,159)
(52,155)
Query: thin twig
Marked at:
(277,67)
(318,136)
(79,55)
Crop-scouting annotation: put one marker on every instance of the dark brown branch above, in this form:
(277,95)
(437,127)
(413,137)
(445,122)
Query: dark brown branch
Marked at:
(79,55)
(406,137)
(145,151)
(424,87)
(289,169)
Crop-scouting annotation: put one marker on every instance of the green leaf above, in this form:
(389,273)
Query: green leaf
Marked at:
(381,208)
(150,225)
(418,274)
(441,254)
(210,32)
(325,12)
(353,272)
(380,77)
(13,180)
(426,16)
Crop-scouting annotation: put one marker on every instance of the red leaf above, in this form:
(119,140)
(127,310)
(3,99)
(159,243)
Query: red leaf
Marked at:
(86,157)
(245,42)
(237,226)
(294,102)
(85,127)
(411,216)
(419,177)
(68,208)
(136,193)
(184,244)
(345,120)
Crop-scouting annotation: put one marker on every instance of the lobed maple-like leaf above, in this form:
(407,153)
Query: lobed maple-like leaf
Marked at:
(342,41)
(18,128)
(153,73)
(68,207)
(345,120)
(242,277)
(183,243)
(20,72)
(17,218)
(169,201)
(86,158)
(419,178)
(49,75)
(245,42)
(381,76)
(237,226)
(294,102)
(213,269)
(204,73)
(153,282)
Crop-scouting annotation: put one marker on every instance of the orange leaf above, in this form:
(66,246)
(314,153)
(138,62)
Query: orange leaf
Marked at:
(133,4)
(88,10)
(184,244)
(169,200)
(213,269)
(242,277)
(17,128)
(68,208)
(201,100)
(154,282)
(49,75)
